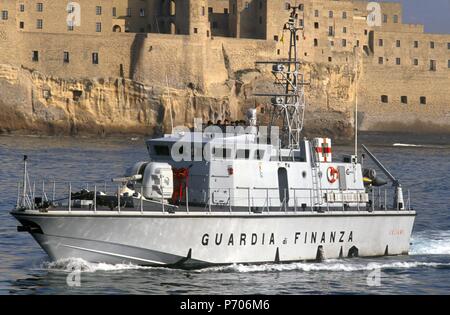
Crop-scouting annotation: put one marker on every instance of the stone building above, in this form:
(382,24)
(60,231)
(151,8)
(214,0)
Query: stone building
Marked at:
(403,72)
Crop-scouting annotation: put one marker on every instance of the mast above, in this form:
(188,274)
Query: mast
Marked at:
(288,105)
(24,190)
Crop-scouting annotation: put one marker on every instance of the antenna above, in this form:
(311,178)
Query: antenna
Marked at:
(356,105)
(24,191)
(288,105)
(170,104)
(357,63)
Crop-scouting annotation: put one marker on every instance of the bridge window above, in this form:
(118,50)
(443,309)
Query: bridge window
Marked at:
(243,154)
(259,154)
(161,150)
(222,153)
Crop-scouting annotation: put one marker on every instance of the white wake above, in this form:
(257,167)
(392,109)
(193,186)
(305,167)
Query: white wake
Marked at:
(430,243)
(423,243)
(330,266)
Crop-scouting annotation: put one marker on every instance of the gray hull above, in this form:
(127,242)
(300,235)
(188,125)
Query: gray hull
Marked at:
(218,238)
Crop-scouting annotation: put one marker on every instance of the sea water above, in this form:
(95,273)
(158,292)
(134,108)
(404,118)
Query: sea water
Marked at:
(422,166)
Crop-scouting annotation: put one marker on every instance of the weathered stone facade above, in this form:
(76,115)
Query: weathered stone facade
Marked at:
(113,70)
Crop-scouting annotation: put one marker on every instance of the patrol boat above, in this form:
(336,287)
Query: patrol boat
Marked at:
(208,197)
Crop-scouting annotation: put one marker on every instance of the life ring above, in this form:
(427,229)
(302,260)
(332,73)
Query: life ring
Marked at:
(332,174)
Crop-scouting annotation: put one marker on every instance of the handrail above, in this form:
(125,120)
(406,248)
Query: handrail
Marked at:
(253,199)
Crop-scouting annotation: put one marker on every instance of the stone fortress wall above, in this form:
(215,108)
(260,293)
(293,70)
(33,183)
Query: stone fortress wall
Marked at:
(114,68)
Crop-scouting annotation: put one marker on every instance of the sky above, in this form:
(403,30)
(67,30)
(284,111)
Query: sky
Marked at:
(434,14)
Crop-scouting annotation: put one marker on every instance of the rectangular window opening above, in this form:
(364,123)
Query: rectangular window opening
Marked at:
(35,57)
(66,57)
(95,58)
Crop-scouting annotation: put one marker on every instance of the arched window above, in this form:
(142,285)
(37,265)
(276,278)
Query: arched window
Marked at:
(117,29)
(173,28)
(173,8)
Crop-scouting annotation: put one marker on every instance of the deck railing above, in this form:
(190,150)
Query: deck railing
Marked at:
(58,195)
